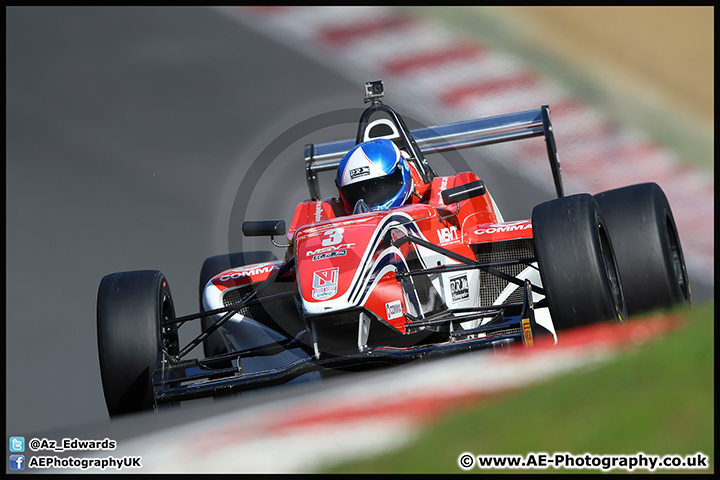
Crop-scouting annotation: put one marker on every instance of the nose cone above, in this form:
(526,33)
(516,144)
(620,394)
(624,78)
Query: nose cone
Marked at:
(329,259)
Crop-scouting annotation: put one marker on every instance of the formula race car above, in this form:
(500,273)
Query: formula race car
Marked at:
(365,283)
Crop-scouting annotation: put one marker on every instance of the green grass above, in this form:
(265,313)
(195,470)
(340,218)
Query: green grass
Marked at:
(657,399)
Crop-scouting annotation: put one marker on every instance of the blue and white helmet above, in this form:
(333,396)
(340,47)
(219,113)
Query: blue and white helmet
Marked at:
(375,172)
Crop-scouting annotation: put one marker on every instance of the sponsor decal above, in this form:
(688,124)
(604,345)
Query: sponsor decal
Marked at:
(244,272)
(325,283)
(443,186)
(527,332)
(359,172)
(318,211)
(447,235)
(335,248)
(325,256)
(503,228)
(394,310)
(459,289)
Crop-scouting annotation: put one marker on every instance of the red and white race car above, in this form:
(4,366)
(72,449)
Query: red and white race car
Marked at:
(442,273)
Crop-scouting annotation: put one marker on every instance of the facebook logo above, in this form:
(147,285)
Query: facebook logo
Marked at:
(17,444)
(17,462)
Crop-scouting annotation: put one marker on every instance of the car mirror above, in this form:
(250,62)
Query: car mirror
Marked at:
(263,228)
(463,192)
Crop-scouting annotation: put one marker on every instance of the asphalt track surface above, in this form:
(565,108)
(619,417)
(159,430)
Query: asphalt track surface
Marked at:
(129,132)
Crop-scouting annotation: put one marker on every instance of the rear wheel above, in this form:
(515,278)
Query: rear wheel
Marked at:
(132,342)
(647,247)
(577,263)
(214,344)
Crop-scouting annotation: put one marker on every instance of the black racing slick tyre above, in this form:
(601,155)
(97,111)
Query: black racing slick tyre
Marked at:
(214,344)
(577,263)
(647,247)
(132,341)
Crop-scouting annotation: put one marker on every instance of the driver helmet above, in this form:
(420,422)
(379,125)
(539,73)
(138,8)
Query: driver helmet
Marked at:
(375,172)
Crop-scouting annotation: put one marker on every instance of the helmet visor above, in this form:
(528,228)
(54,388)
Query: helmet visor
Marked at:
(376,191)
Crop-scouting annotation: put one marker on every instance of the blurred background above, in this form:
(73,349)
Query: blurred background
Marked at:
(634,63)
(129,132)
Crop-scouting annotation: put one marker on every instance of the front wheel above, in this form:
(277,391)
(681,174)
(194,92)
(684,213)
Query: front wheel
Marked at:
(132,341)
(577,262)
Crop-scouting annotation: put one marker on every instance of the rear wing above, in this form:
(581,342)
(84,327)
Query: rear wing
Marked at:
(442,138)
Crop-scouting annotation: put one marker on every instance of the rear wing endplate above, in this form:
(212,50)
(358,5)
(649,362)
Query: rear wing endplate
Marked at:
(442,138)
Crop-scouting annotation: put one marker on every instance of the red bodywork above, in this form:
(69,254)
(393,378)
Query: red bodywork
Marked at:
(348,261)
